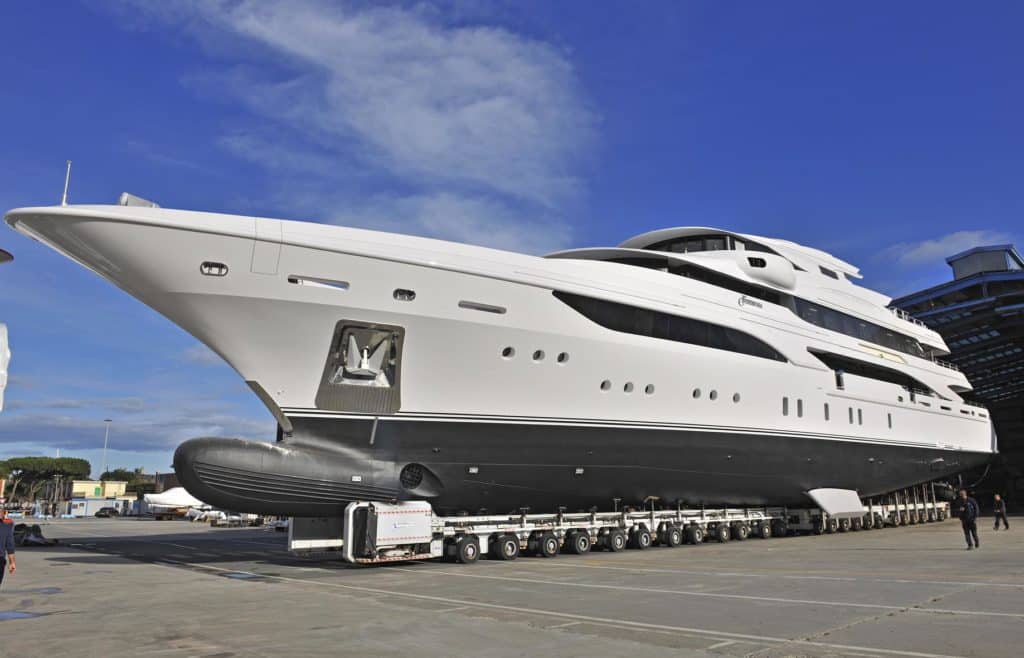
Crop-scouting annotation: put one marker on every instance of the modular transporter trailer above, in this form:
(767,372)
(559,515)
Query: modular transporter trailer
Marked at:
(375,532)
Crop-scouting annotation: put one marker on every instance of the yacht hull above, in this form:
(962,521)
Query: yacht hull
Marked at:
(502,392)
(501,466)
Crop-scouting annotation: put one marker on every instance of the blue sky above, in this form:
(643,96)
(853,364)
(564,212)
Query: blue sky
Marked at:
(888,135)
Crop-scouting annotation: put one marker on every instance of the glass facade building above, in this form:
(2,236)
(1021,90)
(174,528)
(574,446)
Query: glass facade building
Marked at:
(980,314)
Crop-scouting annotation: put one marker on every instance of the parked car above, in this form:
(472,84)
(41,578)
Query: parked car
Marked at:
(106,512)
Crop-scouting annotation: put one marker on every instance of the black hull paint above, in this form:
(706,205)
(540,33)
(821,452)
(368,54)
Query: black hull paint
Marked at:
(501,467)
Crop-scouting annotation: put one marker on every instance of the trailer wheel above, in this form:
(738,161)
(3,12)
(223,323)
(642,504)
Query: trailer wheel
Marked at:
(673,536)
(818,526)
(615,540)
(832,525)
(931,516)
(547,545)
(740,531)
(504,547)
(640,538)
(721,532)
(694,534)
(942,515)
(844,525)
(763,530)
(780,528)
(856,524)
(467,549)
(577,542)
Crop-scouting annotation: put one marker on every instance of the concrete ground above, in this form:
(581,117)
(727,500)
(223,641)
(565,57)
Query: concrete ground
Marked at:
(171,588)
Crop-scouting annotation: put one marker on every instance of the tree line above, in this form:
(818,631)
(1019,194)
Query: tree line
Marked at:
(26,476)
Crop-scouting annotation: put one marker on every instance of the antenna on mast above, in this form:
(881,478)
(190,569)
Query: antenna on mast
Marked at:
(67,180)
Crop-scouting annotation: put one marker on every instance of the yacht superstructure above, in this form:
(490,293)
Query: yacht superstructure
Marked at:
(690,364)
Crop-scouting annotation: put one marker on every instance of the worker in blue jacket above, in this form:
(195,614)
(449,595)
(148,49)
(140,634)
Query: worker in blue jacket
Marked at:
(969,512)
(6,543)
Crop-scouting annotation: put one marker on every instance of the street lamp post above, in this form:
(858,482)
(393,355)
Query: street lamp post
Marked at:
(106,436)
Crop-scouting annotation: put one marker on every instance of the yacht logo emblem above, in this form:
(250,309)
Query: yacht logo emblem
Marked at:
(364,365)
(747,301)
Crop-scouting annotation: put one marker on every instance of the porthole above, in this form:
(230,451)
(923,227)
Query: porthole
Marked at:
(735,397)
(606,385)
(713,395)
(628,388)
(649,389)
(404,295)
(538,355)
(508,352)
(563,357)
(696,393)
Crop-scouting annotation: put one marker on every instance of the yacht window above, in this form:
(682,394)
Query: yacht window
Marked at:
(715,244)
(757,262)
(785,406)
(827,272)
(843,365)
(833,320)
(860,417)
(645,322)
(800,408)
(826,411)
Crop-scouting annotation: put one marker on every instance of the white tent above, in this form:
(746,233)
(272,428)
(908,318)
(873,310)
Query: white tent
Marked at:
(176,498)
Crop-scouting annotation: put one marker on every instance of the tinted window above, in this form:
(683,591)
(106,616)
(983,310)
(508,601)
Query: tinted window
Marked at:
(645,322)
(847,324)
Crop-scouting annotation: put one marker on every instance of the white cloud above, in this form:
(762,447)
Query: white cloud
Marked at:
(934,251)
(202,355)
(458,218)
(467,131)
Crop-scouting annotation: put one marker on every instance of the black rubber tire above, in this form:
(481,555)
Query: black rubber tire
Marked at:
(694,534)
(763,530)
(832,525)
(547,545)
(504,547)
(615,540)
(576,542)
(467,549)
(640,538)
(942,515)
(844,525)
(931,516)
(867,523)
(721,533)
(818,526)
(673,536)
(739,531)
(856,523)
(780,528)
(449,549)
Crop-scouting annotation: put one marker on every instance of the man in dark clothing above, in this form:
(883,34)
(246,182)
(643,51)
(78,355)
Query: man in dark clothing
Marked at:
(6,543)
(999,505)
(969,512)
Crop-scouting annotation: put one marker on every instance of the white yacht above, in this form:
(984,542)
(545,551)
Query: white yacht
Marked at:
(688,364)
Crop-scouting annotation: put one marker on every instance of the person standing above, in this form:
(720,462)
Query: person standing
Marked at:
(969,512)
(999,505)
(6,543)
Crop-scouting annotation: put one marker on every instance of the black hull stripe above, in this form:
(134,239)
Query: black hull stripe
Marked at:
(562,422)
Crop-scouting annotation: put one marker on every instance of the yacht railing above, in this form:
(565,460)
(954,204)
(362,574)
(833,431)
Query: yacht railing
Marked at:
(946,364)
(903,315)
(972,403)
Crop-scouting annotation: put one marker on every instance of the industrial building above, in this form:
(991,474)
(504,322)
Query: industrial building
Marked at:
(980,314)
